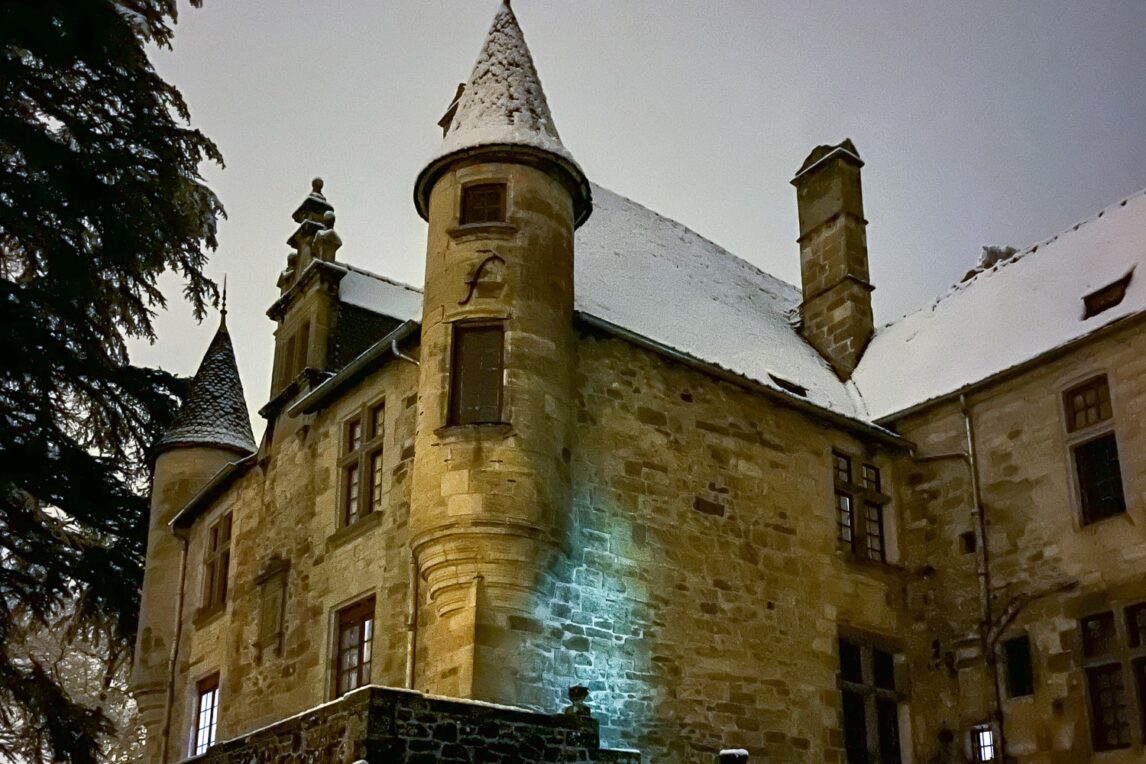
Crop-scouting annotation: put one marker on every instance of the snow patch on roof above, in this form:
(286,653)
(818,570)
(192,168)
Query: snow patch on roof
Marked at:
(364,289)
(661,280)
(503,102)
(1008,313)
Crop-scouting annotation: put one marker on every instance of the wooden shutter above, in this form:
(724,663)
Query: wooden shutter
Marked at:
(476,374)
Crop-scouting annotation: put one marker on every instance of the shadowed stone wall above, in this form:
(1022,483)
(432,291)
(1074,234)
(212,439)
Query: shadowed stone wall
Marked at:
(388,726)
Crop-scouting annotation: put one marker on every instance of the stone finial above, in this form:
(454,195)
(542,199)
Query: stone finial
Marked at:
(578,694)
(733,756)
(327,241)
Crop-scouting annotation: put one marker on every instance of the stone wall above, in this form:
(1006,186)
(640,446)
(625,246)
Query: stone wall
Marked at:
(387,726)
(1047,570)
(702,589)
(287,508)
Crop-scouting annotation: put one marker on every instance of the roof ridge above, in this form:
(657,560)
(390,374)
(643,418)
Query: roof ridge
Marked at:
(1020,254)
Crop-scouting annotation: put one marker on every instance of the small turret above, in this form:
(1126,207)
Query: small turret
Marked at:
(211,429)
(490,499)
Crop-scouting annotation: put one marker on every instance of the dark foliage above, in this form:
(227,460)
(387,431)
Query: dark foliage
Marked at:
(100,193)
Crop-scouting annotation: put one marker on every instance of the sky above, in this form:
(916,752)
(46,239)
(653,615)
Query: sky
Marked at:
(981,123)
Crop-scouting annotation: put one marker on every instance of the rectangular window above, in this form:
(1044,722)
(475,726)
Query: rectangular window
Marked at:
(1109,714)
(1019,666)
(870,704)
(859,509)
(1112,659)
(1093,447)
(206,714)
(361,463)
(1099,478)
(476,374)
(483,203)
(983,742)
(352,656)
(216,563)
(376,481)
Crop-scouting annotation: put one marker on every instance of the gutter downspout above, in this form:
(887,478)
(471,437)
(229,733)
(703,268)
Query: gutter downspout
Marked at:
(984,571)
(411,619)
(399,354)
(173,657)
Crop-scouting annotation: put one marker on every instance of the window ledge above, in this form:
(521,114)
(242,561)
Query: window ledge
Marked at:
(482,230)
(1103,522)
(859,561)
(456,432)
(349,532)
(205,616)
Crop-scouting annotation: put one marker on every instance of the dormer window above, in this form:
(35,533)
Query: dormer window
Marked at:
(1106,298)
(483,203)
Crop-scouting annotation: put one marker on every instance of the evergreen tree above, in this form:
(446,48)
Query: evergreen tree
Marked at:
(100,193)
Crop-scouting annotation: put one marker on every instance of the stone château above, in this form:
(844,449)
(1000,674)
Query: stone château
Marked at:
(597,451)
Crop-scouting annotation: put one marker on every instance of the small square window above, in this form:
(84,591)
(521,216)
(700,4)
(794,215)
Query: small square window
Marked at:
(1106,298)
(983,742)
(353,435)
(843,465)
(1088,404)
(871,477)
(484,203)
(1099,636)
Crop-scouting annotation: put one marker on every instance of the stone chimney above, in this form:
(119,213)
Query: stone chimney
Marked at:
(835,314)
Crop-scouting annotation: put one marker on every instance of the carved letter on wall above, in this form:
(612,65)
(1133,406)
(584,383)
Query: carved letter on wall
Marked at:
(488,279)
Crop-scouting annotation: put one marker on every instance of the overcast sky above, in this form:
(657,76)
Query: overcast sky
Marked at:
(980,122)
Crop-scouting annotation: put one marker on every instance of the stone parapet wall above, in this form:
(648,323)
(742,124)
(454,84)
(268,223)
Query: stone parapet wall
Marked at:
(381,724)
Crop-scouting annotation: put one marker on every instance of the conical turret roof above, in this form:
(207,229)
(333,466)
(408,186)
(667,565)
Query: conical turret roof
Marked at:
(215,411)
(503,107)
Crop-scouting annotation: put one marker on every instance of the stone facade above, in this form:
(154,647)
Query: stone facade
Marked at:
(723,561)
(1046,569)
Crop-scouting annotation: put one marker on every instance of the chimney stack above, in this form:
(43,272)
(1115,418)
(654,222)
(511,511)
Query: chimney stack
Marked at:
(836,312)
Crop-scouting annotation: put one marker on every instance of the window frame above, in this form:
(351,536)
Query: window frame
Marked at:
(873,693)
(984,743)
(361,615)
(1016,690)
(484,184)
(1078,436)
(858,483)
(1118,655)
(454,410)
(206,687)
(217,563)
(357,499)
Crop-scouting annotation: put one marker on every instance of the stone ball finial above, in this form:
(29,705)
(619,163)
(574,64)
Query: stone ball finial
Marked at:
(328,219)
(316,185)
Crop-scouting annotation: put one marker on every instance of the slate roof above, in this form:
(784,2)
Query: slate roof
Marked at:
(215,410)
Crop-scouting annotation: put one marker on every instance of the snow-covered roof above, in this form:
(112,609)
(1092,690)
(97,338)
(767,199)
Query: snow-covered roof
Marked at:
(658,279)
(1009,313)
(503,103)
(364,289)
(215,410)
